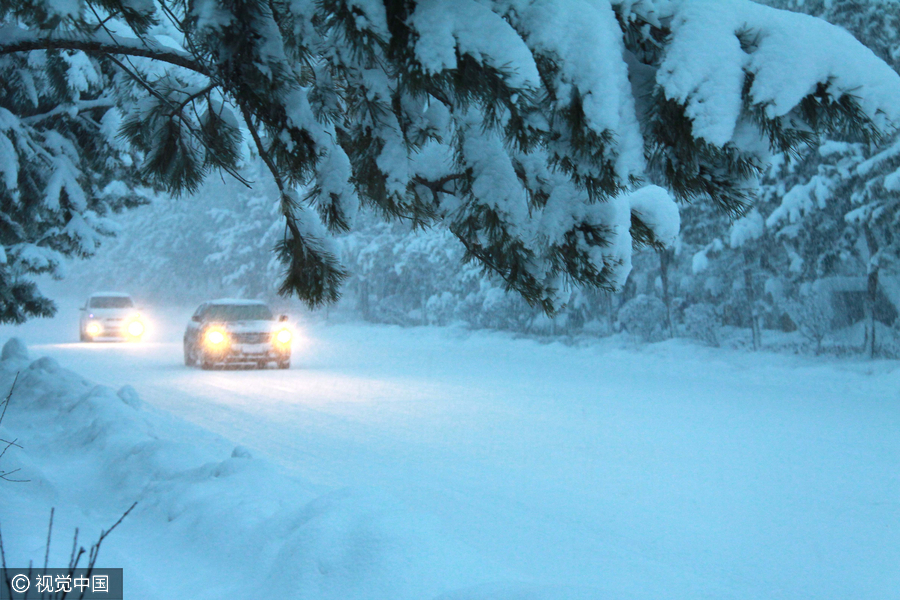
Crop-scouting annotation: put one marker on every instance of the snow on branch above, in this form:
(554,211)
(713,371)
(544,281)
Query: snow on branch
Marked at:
(15,39)
(448,27)
(531,130)
(718,46)
(656,210)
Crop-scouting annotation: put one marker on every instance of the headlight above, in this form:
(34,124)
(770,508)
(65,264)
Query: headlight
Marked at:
(215,337)
(93,329)
(136,329)
(283,336)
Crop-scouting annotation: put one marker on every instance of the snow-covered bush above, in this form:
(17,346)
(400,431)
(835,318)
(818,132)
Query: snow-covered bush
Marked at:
(217,244)
(889,346)
(489,306)
(407,276)
(701,322)
(814,315)
(644,316)
(403,275)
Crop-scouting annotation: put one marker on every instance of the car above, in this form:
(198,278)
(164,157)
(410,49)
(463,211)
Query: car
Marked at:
(110,315)
(230,331)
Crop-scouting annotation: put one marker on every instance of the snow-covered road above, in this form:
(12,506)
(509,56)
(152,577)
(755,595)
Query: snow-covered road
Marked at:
(669,471)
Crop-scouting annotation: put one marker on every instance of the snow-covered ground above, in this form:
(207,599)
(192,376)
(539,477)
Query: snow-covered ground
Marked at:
(440,463)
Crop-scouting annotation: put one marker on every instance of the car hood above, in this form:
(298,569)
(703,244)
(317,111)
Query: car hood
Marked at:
(111,313)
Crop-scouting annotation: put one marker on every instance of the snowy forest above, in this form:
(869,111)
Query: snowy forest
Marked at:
(450,299)
(731,174)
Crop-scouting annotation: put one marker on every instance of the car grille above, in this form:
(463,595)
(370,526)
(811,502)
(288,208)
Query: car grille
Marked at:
(251,338)
(112,325)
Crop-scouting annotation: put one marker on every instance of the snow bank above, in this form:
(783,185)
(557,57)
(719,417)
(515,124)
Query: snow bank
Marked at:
(215,525)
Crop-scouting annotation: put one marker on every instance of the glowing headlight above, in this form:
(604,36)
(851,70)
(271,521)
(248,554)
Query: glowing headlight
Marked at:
(93,329)
(284,336)
(214,337)
(136,329)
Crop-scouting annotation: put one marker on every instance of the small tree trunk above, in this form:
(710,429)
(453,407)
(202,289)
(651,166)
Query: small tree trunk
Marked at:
(364,299)
(871,295)
(665,259)
(871,292)
(610,318)
(755,332)
(424,309)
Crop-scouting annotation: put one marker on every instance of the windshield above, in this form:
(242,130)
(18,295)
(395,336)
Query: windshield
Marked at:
(238,312)
(111,302)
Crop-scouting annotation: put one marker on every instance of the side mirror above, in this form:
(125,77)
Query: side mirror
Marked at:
(195,318)
(282,318)
(83,308)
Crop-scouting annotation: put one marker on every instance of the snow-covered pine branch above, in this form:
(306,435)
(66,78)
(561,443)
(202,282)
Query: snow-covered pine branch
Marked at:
(521,126)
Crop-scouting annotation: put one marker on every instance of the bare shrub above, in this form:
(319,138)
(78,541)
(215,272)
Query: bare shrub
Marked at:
(813,314)
(7,444)
(78,553)
(644,317)
(701,322)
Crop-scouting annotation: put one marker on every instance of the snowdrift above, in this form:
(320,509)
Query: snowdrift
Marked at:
(207,524)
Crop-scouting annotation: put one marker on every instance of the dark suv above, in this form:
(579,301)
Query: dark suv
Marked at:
(227,331)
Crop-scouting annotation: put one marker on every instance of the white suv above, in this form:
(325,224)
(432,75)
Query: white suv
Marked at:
(110,315)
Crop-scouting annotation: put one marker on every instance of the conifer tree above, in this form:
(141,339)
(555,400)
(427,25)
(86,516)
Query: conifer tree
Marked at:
(837,208)
(521,126)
